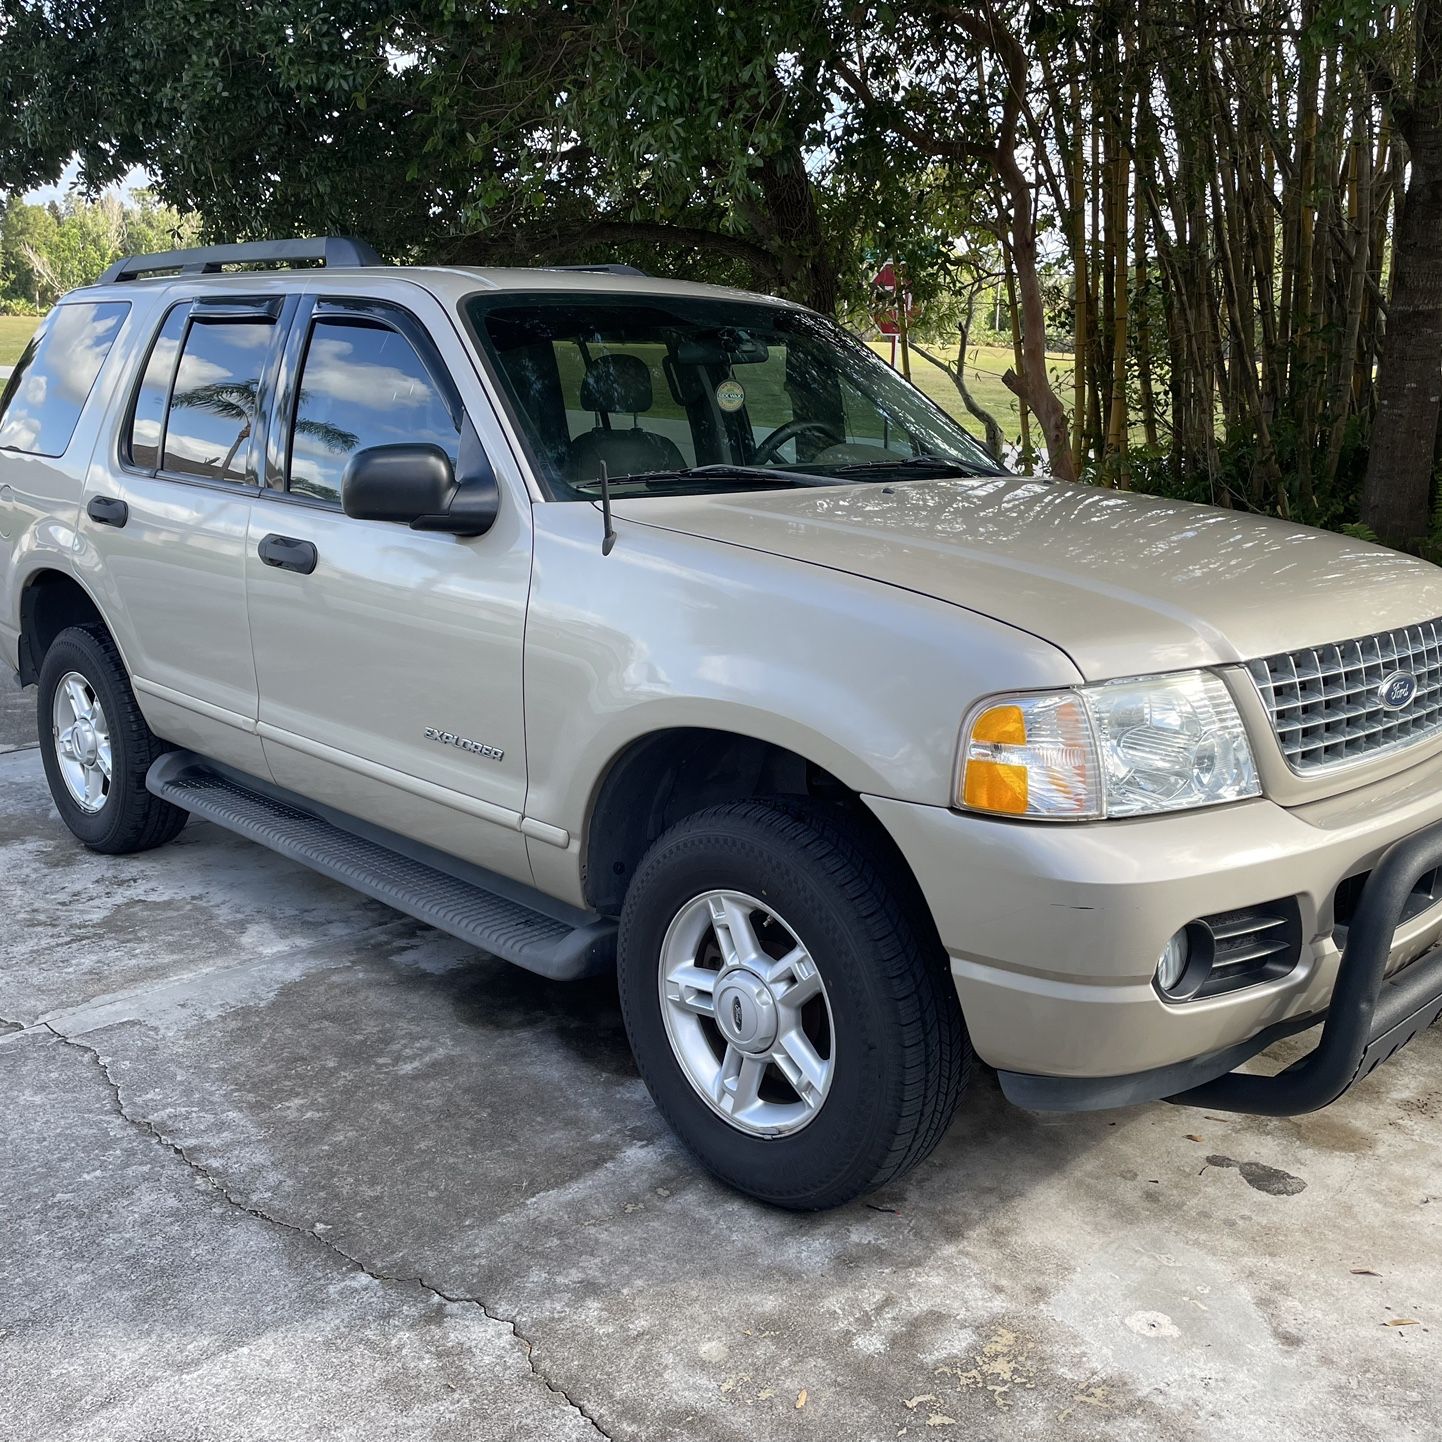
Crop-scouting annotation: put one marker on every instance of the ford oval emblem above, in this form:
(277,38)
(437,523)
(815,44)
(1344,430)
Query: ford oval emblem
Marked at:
(1396,691)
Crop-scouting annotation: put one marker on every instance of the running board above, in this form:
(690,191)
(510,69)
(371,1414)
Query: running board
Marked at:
(490,912)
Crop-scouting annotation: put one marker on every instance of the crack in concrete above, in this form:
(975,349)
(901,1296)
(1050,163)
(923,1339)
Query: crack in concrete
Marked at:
(13,1030)
(148,1128)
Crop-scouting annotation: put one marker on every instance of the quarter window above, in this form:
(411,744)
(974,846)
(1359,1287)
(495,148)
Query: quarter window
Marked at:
(362,385)
(50,385)
(147,419)
(212,406)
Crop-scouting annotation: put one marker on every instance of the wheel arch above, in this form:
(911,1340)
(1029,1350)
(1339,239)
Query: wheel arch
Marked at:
(51,601)
(662,777)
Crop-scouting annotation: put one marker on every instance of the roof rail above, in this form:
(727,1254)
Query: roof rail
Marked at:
(602,269)
(333,250)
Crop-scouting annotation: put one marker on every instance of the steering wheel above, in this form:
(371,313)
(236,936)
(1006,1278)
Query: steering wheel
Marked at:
(788,431)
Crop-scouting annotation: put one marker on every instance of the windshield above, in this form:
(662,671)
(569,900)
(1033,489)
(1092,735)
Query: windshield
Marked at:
(689,395)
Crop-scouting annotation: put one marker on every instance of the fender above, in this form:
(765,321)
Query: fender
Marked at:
(865,680)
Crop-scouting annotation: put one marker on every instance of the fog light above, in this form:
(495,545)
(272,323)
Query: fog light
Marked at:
(1172,964)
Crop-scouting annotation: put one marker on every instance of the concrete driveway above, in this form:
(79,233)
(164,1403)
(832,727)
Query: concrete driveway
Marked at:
(277,1163)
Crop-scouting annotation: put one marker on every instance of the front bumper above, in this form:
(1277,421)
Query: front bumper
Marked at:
(1053,934)
(1371,1017)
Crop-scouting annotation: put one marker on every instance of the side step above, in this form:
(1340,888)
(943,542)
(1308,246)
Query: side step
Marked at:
(491,912)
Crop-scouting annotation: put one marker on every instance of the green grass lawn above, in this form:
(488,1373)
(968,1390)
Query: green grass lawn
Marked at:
(985,366)
(15,330)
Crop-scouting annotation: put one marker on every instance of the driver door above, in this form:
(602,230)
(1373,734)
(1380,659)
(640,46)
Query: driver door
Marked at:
(395,646)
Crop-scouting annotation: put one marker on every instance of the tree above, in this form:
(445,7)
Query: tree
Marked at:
(27,230)
(46,250)
(1221,183)
(531,131)
(86,240)
(957,94)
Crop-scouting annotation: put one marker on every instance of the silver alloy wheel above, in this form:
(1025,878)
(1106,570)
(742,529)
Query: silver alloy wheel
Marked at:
(82,741)
(747,1013)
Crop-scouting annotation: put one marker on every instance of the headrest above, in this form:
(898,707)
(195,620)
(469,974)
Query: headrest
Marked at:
(617,383)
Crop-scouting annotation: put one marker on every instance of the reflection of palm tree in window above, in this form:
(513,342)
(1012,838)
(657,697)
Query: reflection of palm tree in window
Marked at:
(230,401)
(235,401)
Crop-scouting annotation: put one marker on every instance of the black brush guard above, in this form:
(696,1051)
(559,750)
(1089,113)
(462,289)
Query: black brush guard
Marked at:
(1371,1016)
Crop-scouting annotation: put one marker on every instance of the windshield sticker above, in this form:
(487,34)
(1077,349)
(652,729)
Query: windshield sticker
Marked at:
(730,396)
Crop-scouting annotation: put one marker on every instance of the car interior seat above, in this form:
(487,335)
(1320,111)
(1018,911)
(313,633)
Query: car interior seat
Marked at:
(619,385)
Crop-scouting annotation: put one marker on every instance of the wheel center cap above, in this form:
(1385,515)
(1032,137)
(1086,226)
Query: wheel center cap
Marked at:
(85,744)
(746,1011)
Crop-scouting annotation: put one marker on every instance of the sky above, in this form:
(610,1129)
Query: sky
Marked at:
(43,194)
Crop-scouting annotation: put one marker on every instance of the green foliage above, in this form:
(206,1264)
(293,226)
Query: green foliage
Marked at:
(242,110)
(701,141)
(46,250)
(26,232)
(1161,473)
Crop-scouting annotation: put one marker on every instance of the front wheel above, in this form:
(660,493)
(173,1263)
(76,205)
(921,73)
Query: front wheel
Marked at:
(787,1006)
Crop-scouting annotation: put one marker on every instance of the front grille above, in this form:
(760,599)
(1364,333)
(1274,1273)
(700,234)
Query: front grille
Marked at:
(1425,894)
(1324,704)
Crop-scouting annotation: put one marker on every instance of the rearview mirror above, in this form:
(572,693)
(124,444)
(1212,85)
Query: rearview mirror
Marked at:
(416,486)
(727,346)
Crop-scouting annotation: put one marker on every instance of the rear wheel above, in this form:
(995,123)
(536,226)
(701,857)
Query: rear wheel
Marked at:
(96,747)
(789,1010)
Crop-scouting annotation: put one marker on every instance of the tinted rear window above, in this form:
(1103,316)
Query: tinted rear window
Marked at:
(212,404)
(47,392)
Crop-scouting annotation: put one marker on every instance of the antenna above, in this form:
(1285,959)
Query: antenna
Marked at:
(608,531)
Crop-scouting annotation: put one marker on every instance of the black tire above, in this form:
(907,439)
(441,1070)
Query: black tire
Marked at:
(902,1056)
(130,818)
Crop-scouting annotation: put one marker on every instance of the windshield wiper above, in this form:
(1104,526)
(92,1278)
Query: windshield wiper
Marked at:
(937,465)
(721,473)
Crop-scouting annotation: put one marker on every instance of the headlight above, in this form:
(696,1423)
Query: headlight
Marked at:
(1125,748)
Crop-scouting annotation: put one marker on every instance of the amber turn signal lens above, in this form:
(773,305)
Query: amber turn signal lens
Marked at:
(994,786)
(1000,726)
(1030,756)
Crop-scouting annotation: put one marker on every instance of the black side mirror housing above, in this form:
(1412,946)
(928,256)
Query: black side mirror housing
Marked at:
(415,485)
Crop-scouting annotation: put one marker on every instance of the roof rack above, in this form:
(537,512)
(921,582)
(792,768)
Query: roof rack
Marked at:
(603,269)
(333,250)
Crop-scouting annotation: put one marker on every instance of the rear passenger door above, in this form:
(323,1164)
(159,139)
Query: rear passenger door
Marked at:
(396,638)
(185,474)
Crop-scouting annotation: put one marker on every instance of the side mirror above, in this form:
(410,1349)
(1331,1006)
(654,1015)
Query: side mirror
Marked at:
(416,486)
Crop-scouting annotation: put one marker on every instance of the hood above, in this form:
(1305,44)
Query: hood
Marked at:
(1122,583)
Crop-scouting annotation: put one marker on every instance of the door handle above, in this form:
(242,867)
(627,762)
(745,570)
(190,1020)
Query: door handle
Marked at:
(288,554)
(107,511)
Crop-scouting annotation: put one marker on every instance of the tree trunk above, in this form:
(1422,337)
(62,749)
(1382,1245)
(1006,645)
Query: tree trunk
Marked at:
(1359,215)
(808,267)
(1095,427)
(1397,492)
(1081,291)
(1028,455)
(1117,417)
